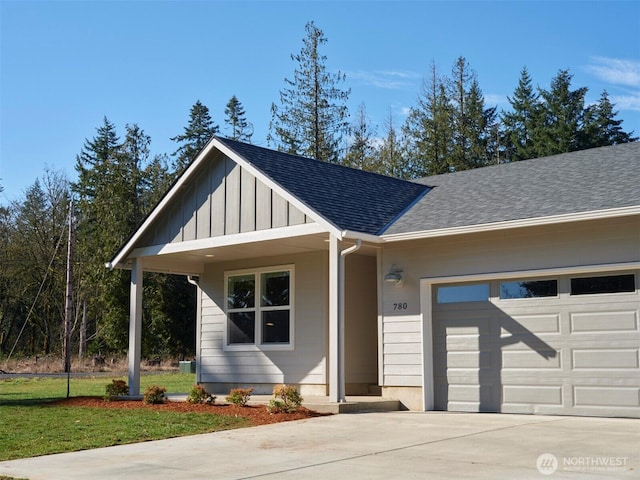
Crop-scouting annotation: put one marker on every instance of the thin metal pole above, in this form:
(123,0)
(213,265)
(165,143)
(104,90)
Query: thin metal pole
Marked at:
(68,310)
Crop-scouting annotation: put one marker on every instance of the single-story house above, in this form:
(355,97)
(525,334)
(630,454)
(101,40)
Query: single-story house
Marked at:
(510,288)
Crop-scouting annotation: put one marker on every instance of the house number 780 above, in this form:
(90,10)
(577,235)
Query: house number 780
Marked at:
(400,306)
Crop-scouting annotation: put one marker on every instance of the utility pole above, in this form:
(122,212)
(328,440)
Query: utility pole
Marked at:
(68,304)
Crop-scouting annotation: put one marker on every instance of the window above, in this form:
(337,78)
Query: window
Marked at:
(464,293)
(259,307)
(607,284)
(530,289)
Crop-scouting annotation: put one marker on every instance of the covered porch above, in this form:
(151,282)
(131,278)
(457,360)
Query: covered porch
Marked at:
(347,271)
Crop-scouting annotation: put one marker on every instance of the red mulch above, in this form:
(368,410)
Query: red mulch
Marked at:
(257,414)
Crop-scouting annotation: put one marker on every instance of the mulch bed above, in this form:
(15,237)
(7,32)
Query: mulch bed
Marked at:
(257,414)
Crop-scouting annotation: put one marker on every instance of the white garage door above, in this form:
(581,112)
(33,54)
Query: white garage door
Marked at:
(564,345)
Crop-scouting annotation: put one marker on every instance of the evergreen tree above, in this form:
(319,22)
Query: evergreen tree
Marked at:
(472,123)
(390,156)
(235,119)
(429,130)
(104,220)
(196,135)
(360,153)
(559,128)
(601,128)
(520,123)
(313,115)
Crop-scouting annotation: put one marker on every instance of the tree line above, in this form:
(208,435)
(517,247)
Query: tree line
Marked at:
(118,182)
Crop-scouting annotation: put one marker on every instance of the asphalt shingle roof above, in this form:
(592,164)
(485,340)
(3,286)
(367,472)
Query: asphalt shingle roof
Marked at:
(588,180)
(350,199)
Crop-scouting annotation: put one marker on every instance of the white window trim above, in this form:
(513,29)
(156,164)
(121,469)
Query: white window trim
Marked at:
(257,345)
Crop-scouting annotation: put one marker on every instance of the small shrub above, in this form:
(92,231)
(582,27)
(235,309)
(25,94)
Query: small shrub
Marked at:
(116,388)
(155,395)
(287,399)
(239,396)
(199,395)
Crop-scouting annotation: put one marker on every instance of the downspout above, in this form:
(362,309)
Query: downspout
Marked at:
(341,322)
(196,282)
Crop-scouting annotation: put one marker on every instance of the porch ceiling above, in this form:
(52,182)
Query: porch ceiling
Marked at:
(193,261)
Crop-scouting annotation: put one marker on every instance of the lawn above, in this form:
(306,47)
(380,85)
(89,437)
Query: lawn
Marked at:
(30,425)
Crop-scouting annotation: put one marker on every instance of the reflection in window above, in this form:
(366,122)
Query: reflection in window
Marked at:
(530,289)
(606,284)
(464,293)
(275,289)
(242,327)
(241,291)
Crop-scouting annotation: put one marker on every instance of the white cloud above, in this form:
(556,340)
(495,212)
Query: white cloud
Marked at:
(493,99)
(629,101)
(616,71)
(388,79)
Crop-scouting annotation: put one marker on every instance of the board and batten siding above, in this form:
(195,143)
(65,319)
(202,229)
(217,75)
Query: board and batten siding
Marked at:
(304,365)
(596,242)
(222,198)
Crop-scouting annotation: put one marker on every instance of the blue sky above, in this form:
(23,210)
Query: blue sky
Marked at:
(64,65)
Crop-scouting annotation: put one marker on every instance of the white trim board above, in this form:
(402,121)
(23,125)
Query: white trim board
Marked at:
(520,223)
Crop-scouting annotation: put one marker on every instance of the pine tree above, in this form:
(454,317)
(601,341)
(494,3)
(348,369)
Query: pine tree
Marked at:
(520,123)
(600,126)
(313,115)
(390,155)
(429,130)
(360,153)
(196,135)
(472,123)
(562,113)
(235,119)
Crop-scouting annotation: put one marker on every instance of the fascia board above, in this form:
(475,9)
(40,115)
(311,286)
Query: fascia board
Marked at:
(521,223)
(229,240)
(310,212)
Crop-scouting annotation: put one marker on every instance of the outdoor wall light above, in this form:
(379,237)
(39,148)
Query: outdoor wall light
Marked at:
(394,276)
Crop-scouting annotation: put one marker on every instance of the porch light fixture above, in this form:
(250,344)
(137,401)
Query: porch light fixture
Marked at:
(394,276)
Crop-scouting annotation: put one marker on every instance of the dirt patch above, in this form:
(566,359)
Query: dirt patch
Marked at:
(257,414)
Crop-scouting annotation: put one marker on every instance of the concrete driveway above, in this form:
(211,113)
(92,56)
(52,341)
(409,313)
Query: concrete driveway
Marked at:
(368,446)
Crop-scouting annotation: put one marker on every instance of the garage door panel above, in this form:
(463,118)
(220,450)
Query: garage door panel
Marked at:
(601,358)
(466,360)
(530,359)
(537,324)
(605,396)
(605,321)
(532,394)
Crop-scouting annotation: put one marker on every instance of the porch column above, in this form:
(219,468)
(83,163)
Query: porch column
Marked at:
(336,359)
(135,326)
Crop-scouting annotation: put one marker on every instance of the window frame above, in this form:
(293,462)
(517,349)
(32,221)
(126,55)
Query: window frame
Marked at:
(257,344)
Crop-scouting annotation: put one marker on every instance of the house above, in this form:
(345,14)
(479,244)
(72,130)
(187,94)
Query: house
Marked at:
(510,288)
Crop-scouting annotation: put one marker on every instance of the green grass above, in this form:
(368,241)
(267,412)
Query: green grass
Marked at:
(30,426)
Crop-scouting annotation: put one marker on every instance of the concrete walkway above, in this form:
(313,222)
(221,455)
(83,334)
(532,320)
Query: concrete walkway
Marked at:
(369,446)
